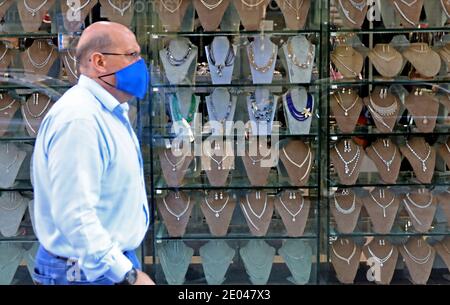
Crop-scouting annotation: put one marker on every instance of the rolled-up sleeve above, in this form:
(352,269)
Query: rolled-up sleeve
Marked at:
(76,162)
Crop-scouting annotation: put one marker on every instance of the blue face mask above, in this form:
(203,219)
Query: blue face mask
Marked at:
(133,79)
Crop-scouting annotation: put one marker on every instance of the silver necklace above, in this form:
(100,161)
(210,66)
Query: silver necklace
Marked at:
(174,165)
(383,260)
(448,147)
(426,205)
(33,11)
(417,260)
(211,6)
(387,163)
(410,4)
(423,160)
(3,2)
(253,212)
(445,9)
(252,5)
(169,9)
(346,12)
(358,5)
(384,207)
(36,116)
(342,210)
(27,121)
(346,259)
(219,166)
(16,157)
(384,111)
(403,14)
(8,106)
(69,67)
(416,205)
(290,213)
(259,160)
(219,210)
(296,9)
(177,216)
(308,157)
(76,8)
(41,64)
(355,159)
(4,54)
(12,198)
(123,9)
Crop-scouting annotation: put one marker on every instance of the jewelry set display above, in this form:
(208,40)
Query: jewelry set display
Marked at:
(34,111)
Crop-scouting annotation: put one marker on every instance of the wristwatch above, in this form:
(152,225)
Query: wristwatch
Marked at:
(130,277)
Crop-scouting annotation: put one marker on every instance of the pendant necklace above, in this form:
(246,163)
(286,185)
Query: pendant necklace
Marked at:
(296,9)
(355,159)
(177,111)
(345,259)
(387,163)
(228,61)
(174,165)
(423,160)
(33,11)
(217,212)
(177,216)
(341,104)
(383,260)
(384,207)
(294,215)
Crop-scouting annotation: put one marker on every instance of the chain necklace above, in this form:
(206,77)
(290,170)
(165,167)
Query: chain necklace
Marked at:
(4,54)
(388,59)
(383,260)
(76,8)
(259,160)
(445,8)
(387,163)
(345,259)
(410,4)
(416,205)
(344,65)
(355,159)
(33,11)
(27,121)
(123,9)
(293,57)
(424,160)
(346,12)
(267,66)
(219,210)
(377,117)
(253,212)
(36,116)
(214,112)
(403,13)
(420,206)
(341,104)
(228,61)
(417,260)
(307,158)
(9,106)
(41,64)
(384,207)
(177,111)
(358,5)
(252,5)
(384,111)
(290,213)
(211,6)
(342,210)
(169,9)
(174,165)
(176,62)
(300,115)
(177,216)
(74,74)
(219,163)
(296,9)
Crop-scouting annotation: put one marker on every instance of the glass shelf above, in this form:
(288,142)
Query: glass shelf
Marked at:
(19,239)
(404,179)
(371,131)
(156,35)
(393,234)
(18,139)
(242,85)
(29,35)
(19,185)
(398,81)
(381,31)
(237,183)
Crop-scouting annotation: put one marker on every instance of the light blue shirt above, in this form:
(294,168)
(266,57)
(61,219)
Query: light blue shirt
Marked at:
(89,192)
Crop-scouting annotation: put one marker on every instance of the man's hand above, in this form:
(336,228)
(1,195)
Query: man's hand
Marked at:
(143,279)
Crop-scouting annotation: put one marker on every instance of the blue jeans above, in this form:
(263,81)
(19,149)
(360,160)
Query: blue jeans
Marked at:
(53,270)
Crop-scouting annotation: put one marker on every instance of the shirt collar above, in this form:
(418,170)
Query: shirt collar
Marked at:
(103,96)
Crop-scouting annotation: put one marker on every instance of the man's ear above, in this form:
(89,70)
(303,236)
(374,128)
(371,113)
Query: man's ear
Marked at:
(97,60)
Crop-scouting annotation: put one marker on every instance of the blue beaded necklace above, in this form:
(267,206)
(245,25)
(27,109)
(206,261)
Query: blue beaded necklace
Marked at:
(300,115)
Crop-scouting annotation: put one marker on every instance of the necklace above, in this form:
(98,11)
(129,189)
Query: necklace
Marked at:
(76,8)
(9,106)
(4,54)
(293,57)
(410,4)
(383,260)
(388,59)
(41,64)
(384,207)
(3,2)
(308,157)
(416,205)
(355,159)
(346,12)
(177,216)
(448,147)
(424,48)
(211,6)
(402,13)
(176,62)
(122,9)
(384,111)
(174,165)
(296,9)
(214,112)
(253,212)
(74,74)
(424,160)
(219,210)
(387,163)
(36,116)
(228,61)
(12,198)
(417,260)
(169,9)
(420,206)
(358,5)
(300,115)
(342,210)
(344,65)
(219,166)
(8,167)
(445,9)
(257,161)
(252,5)
(267,66)
(445,247)
(33,11)
(341,104)
(290,213)
(261,114)
(346,259)
(177,111)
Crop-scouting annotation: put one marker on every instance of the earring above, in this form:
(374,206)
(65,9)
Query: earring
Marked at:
(216,196)
(177,195)
(221,195)
(343,90)
(345,192)
(386,142)
(293,196)
(381,242)
(347,147)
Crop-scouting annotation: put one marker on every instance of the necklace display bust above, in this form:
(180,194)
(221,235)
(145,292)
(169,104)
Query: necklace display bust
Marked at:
(261,107)
(443,200)
(298,110)
(419,258)
(257,207)
(262,55)
(387,158)
(426,61)
(217,161)
(424,108)
(175,209)
(216,256)
(437,12)
(295,12)
(384,255)
(34,111)
(221,106)
(221,55)
(120,11)
(382,205)
(11,159)
(171,13)
(384,108)
(12,210)
(175,258)
(297,255)
(421,206)
(348,61)
(258,257)
(345,258)
(218,207)
(347,157)
(386,60)
(422,158)
(298,54)
(298,159)
(251,12)
(345,207)
(346,108)
(258,162)
(210,12)
(32,12)
(294,211)
(443,249)
(179,59)
(39,57)
(174,165)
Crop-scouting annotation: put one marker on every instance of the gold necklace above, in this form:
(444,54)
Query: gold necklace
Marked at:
(266,67)
(296,9)
(294,59)
(344,65)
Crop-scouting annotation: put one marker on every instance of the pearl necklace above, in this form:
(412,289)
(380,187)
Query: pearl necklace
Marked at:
(290,213)
(309,57)
(342,210)
(387,163)
(123,9)
(417,260)
(308,157)
(219,210)
(355,159)
(41,64)
(383,260)
(402,13)
(76,8)
(384,207)
(346,259)
(424,160)
(177,216)
(211,6)
(341,104)
(33,11)
(296,9)
(267,66)
(174,165)
(252,5)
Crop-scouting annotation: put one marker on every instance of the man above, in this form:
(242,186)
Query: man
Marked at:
(90,202)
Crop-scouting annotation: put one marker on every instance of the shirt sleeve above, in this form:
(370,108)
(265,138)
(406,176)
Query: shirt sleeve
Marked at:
(76,160)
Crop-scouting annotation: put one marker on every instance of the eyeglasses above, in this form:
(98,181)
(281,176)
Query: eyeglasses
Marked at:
(135,55)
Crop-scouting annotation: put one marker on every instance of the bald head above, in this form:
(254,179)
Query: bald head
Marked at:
(101,36)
